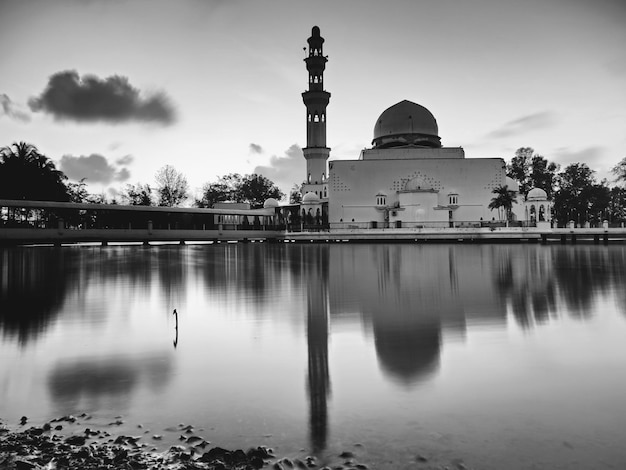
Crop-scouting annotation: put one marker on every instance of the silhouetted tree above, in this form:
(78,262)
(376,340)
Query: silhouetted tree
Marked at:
(78,191)
(580,198)
(254,189)
(172,186)
(519,168)
(295,195)
(25,173)
(619,170)
(543,174)
(137,195)
(532,170)
(617,205)
(504,199)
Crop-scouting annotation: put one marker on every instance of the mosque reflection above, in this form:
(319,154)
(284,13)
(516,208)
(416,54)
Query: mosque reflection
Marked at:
(408,297)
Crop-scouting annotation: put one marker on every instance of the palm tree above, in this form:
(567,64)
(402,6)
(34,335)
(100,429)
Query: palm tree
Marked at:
(25,173)
(504,199)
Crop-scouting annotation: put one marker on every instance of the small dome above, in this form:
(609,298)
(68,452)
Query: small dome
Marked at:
(536,194)
(310,198)
(512,184)
(406,123)
(270,203)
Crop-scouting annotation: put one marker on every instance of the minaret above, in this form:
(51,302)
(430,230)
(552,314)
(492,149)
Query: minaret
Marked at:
(316,99)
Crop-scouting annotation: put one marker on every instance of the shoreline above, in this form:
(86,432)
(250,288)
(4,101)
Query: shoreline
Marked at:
(66,443)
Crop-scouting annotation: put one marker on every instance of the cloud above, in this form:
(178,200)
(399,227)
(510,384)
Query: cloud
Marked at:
(590,155)
(285,170)
(10,109)
(95,168)
(125,160)
(256,148)
(90,99)
(523,124)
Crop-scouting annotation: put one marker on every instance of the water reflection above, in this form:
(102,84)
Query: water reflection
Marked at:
(33,285)
(106,382)
(406,300)
(315,275)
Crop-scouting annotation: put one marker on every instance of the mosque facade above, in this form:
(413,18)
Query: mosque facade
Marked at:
(407,178)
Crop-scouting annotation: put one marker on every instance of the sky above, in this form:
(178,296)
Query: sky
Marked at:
(113,90)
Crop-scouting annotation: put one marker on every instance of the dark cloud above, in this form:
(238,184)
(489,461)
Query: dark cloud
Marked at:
(524,123)
(11,110)
(89,99)
(256,148)
(285,170)
(95,168)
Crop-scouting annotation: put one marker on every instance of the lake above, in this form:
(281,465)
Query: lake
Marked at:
(407,355)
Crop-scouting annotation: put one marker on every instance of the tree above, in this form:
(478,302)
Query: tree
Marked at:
(78,191)
(137,195)
(579,197)
(617,205)
(25,173)
(532,170)
(295,195)
(543,174)
(504,199)
(225,189)
(254,189)
(172,186)
(619,170)
(519,168)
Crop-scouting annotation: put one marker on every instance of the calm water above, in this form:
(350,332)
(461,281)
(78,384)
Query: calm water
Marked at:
(497,356)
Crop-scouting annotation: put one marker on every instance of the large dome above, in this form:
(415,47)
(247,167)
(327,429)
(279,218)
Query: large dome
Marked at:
(406,124)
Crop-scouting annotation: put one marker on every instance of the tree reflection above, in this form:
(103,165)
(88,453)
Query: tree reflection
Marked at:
(33,285)
(113,379)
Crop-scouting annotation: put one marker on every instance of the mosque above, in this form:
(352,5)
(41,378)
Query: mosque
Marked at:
(407,178)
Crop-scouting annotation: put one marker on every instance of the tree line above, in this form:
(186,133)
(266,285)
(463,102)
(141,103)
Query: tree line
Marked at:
(27,174)
(574,190)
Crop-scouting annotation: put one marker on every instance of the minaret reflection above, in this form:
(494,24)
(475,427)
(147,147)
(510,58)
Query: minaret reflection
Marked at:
(316,277)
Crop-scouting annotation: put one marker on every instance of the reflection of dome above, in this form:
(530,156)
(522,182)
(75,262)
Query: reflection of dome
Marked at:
(406,123)
(408,354)
(270,203)
(512,185)
(310,198)
(536,194)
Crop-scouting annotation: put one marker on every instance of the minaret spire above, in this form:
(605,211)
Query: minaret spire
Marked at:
(316,100)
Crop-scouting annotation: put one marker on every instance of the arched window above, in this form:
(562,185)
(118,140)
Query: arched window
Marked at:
(323,176)
(309,178)
(542,213)
(309,117)
(323,117)
(316,118)
(453,199)
(325,191)
(381,199)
